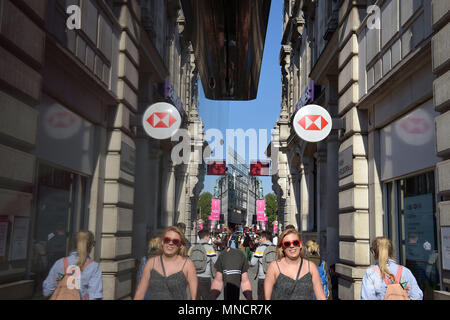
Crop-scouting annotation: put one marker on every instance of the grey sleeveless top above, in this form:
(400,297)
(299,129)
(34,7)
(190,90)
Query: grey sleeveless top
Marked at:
(286,288)
(172,287)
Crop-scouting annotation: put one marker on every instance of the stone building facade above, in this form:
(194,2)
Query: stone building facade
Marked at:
(380,69)
(72,149)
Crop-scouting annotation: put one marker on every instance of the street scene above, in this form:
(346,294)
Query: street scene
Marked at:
(224,150)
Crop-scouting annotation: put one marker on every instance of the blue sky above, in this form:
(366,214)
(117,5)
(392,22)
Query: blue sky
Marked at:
(261,113)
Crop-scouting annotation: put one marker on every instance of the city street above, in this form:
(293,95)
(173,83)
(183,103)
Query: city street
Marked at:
(129,126)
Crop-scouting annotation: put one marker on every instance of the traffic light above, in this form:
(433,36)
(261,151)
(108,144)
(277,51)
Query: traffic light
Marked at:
(217,168)
(259,168)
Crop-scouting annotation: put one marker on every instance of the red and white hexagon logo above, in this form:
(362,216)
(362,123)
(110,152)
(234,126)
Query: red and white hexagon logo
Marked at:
(161,120)
(312,123)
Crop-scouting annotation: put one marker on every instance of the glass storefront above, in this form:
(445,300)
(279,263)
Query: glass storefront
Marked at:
(60,212)
(411,225)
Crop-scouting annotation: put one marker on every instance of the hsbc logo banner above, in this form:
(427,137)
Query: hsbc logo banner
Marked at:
(312,123)
(161,120)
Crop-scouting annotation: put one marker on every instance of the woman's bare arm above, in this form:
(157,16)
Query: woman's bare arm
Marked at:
(269,282)
(191,276)
(317,283)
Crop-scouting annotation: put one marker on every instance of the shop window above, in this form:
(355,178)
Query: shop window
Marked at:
(411,225)
(60,212)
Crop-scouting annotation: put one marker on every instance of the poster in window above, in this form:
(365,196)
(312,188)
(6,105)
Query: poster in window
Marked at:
(19,238)
(445,234)
(419,227)
(4,220)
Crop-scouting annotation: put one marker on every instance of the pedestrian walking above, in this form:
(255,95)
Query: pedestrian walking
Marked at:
(204,257)
(264,254)
(247,244)
(163,276)
(313,254)
(76,277)
(387,280)
(154,249)
(292,277)
(275,240)
(232,274)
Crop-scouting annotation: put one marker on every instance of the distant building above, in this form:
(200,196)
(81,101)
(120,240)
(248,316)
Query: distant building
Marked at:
(238,192)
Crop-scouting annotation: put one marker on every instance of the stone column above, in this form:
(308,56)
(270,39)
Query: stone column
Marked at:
(332,191)
(141,203)
(332,188)
(154,192)
(116,243)
(168,193)
(306,194)
(441,68)
(354,253)
(321,197)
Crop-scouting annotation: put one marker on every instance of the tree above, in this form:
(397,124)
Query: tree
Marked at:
(271,208)
(204,205)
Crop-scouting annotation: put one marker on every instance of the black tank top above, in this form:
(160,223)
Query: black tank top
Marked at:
(172,287)
(286,288)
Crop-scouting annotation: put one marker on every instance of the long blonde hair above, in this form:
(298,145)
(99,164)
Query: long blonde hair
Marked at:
(154,247)
(280,249)
(383,250)
(312,248)
(82,243)
(182,250)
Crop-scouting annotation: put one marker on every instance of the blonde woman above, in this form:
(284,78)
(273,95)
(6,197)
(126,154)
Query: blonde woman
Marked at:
(292,277)
(313,254)
(374,284)
(167,276)
(90,273)
(154,249)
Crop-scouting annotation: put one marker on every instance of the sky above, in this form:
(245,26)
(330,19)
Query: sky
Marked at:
(261,113)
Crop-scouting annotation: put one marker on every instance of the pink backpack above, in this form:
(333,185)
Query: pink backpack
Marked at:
(394,290)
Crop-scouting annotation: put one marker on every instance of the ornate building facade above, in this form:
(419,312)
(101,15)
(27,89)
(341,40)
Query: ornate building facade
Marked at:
(380,69)
(72,149)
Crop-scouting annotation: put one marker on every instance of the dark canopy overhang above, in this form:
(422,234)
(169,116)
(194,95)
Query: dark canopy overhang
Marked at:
(228,38)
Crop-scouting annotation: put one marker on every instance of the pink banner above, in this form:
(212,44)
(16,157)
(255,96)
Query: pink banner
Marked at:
(215,209)
(260,210)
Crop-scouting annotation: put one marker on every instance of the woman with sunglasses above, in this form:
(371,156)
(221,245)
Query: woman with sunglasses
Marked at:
(167,276)
(292,277)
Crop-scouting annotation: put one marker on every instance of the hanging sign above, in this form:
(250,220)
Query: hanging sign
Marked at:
(215,209)
(312,123)
(260,210)
(161,120)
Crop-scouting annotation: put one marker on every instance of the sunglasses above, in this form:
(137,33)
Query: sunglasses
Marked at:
(167,240)
(295,243)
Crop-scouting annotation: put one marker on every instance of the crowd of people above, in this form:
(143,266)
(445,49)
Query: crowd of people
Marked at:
(287,269)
